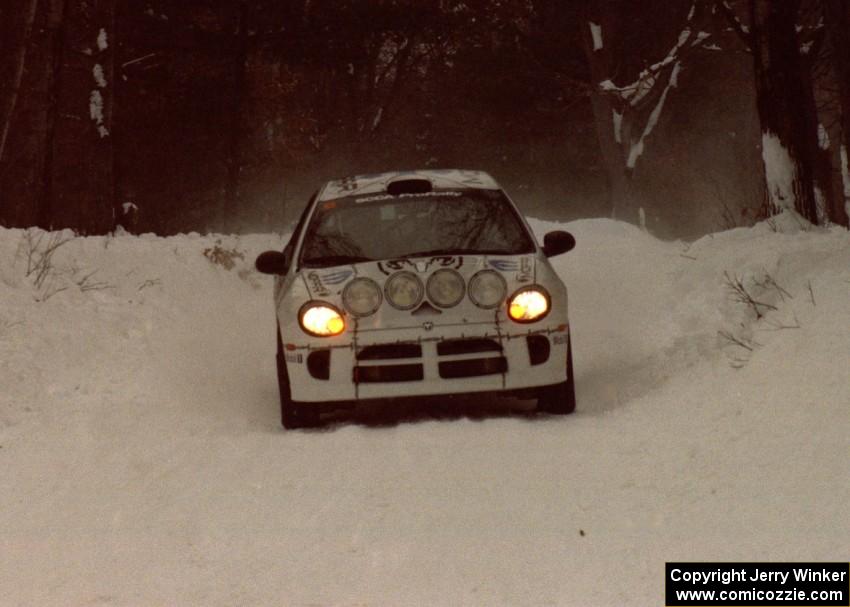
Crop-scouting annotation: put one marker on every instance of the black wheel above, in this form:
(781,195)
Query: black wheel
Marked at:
(560,399)
(293,414)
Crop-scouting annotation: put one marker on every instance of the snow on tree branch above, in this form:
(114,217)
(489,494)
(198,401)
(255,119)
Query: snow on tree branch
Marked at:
(96,101)
(637,147)
(102,40)
(618,126)
(636,92)
(596,33)
(737,25)
(96,112)
(97,74)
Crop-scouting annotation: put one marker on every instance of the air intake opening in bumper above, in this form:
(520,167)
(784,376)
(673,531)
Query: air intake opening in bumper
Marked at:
(473,367)
(387,373)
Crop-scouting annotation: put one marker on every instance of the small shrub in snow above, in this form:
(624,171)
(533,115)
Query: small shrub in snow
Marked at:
(86,282)
(761,295)
(768,283)
(224,257)
(38,249)
(741,294)
(743,347)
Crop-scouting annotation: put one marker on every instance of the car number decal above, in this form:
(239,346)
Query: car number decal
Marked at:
(316,284)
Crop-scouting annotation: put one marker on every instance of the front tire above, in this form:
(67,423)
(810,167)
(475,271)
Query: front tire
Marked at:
(560,399)
(293,414)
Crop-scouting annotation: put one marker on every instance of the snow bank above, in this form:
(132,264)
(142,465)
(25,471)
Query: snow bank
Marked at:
(141,461)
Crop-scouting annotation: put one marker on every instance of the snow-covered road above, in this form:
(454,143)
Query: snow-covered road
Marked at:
(142,462)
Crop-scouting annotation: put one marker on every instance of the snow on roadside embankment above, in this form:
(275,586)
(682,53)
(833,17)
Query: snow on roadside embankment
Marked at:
(141,461)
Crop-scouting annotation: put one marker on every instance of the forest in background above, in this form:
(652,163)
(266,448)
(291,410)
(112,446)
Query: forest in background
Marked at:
(170,116)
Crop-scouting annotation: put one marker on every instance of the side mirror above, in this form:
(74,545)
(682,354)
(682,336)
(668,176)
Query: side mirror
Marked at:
(271,262)
(557,242)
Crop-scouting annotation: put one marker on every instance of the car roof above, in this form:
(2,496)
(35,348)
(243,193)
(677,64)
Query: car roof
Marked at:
(377,183)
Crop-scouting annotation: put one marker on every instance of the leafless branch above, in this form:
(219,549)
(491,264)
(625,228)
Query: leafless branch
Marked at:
(86,284)
(735,23)
(39,253)
(778,325)
(768,282)
(742,342)
(741,295)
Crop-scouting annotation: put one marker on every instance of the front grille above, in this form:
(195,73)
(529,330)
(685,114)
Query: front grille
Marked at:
(451,347)
(389,352)
(387,373)
(473,367)
(490,362)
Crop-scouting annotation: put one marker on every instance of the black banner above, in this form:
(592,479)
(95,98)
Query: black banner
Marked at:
(762,584)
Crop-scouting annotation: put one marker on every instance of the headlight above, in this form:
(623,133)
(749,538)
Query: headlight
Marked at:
(321,319)
(445,288)
(362,297)
(404,290)
(487,289)
(528,304)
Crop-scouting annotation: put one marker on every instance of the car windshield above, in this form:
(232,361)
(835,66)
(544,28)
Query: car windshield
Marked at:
(372,227)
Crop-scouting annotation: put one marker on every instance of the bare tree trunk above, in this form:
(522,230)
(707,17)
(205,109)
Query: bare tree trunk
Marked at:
(838,24)
(403,66)
(20,62)
(232,195)
(609,121)
(114,131)
(83,156)
(620,199)
(57,58)
(781,95)
(821,159)
(627,115)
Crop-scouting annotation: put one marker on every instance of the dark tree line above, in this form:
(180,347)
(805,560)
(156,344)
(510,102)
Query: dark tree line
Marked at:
(166,115)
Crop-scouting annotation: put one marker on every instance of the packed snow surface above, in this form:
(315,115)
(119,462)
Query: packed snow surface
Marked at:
(142,461)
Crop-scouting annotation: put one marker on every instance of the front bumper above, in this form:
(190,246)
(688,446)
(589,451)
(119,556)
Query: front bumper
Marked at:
(396,363)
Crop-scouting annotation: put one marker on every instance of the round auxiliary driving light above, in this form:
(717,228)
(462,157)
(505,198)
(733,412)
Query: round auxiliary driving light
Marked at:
(529,304)
(404,290)
(445,288)
(362,297)
(487,289)
(321,319)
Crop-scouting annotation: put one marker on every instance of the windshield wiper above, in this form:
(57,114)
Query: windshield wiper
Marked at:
(333,260)
(456,251)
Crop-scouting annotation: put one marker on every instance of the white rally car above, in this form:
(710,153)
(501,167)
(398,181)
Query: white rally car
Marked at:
(417,283)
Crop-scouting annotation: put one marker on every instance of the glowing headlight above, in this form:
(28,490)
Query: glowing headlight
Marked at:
(362,297)
(528,304)
(445,288)
(487,289)
(321,319)
(404,290)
